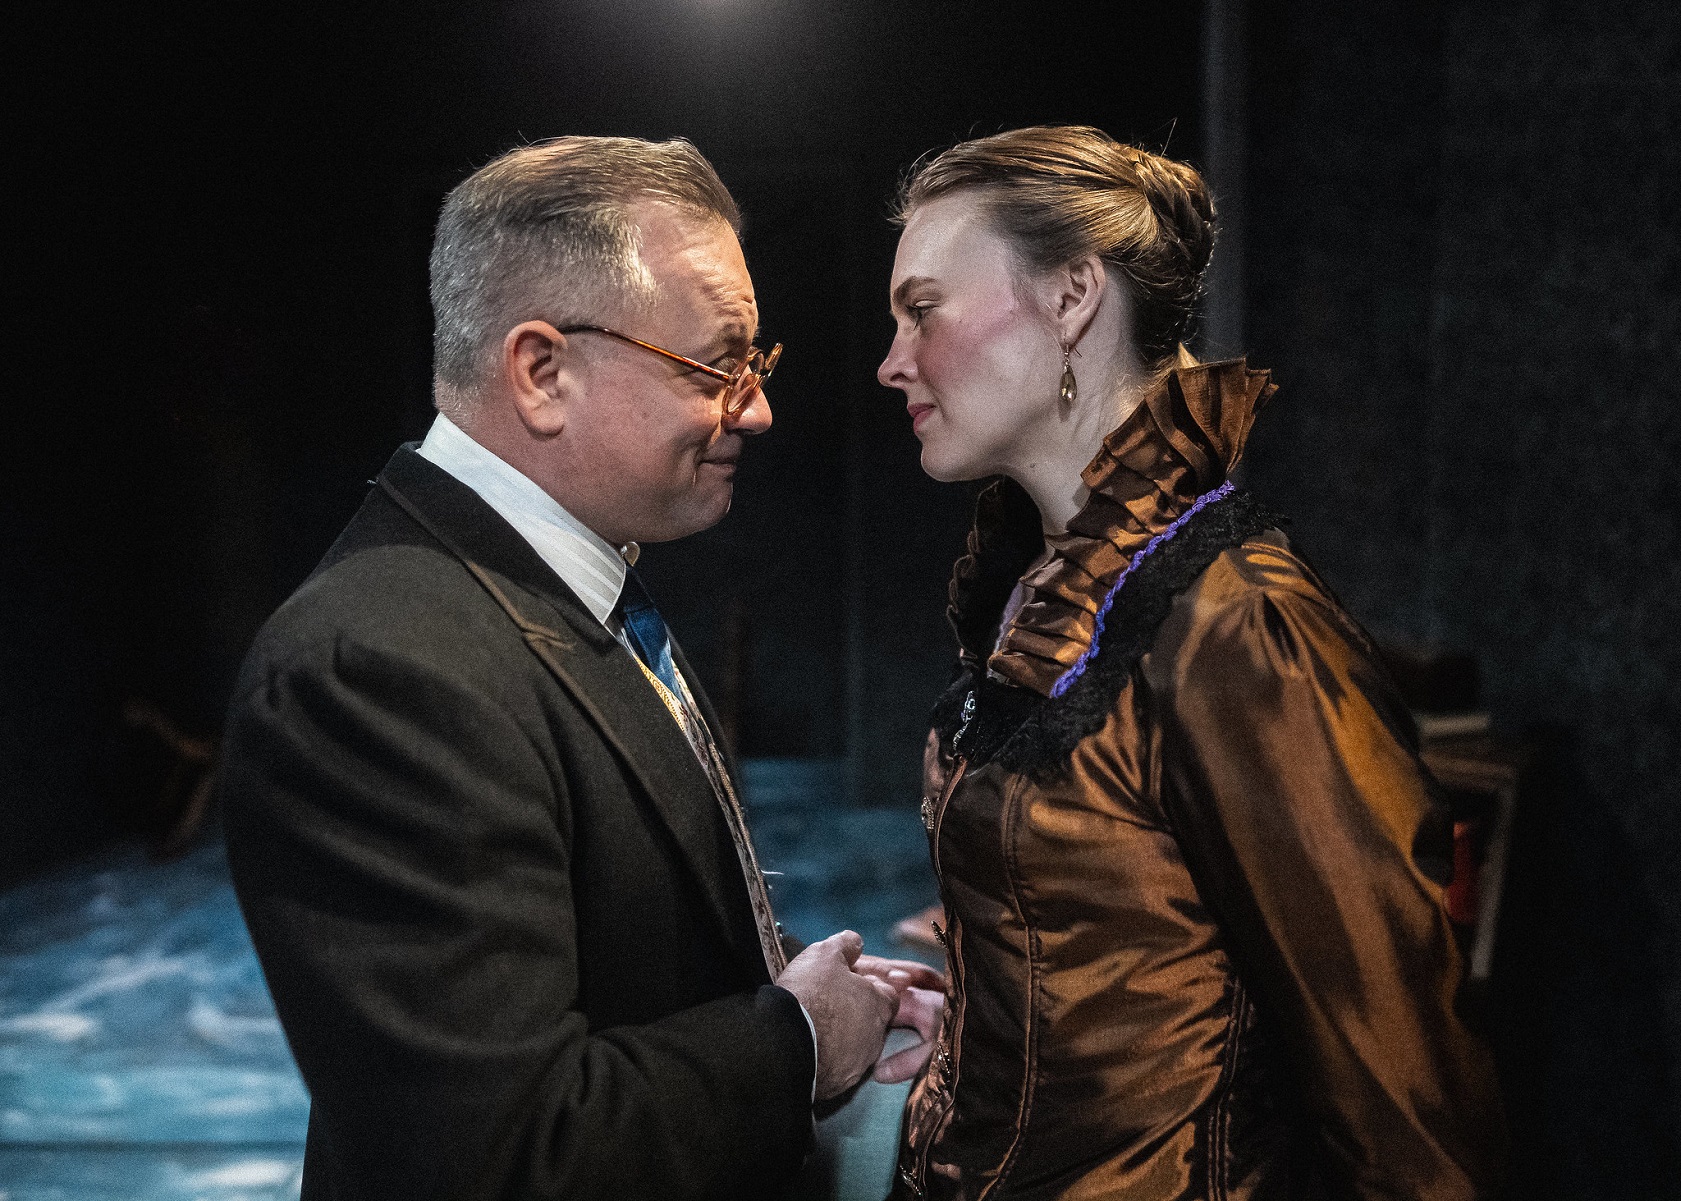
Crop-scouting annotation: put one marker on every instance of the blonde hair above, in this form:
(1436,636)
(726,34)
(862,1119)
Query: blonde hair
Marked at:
(547,231)
(1061,192)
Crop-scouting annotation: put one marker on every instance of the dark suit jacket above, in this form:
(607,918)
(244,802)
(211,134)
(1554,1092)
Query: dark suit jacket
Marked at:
(497,905)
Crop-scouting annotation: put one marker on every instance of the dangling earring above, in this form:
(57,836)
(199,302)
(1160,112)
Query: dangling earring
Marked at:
(1070,387)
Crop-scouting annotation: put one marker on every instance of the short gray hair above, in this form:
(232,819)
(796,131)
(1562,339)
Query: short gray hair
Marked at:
(546,231)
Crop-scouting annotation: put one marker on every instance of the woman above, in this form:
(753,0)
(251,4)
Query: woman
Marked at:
(1191,866)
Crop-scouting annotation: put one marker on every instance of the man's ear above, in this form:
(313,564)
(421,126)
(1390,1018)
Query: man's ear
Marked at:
(1072,296)
(538,365)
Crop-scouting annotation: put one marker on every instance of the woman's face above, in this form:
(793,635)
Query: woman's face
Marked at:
(974,354)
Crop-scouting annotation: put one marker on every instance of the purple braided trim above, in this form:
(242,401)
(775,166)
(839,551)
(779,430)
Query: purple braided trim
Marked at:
(1066,680)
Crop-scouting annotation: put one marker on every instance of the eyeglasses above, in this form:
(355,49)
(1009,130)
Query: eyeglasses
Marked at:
(742,381)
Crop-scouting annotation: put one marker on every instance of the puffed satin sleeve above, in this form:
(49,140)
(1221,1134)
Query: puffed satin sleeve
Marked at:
(1313,831)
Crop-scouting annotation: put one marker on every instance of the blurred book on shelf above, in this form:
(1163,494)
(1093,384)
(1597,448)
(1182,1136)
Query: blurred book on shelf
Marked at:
(1434,727)
(1480,771)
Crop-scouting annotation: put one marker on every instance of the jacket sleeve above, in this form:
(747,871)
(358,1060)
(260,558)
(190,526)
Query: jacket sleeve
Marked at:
(1318,838)
(401,846)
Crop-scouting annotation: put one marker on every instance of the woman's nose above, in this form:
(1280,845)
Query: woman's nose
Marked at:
(896,369)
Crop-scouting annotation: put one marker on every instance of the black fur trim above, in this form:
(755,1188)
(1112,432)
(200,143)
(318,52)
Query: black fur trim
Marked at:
(1007,536)
(1034,735)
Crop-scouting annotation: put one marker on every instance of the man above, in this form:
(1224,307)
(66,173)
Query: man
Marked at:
(491,857)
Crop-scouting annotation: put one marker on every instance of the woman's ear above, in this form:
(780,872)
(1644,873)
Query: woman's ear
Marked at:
(1075,294)
(537,363)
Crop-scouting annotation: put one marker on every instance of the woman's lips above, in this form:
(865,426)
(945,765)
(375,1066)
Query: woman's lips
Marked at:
(919,413)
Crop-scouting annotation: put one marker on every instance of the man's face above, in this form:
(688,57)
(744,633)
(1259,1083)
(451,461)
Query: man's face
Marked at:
(652,433)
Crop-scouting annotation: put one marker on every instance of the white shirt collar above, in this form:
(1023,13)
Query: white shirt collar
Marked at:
(590,565)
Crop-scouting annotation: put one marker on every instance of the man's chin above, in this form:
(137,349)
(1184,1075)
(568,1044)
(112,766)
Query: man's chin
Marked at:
(694,518)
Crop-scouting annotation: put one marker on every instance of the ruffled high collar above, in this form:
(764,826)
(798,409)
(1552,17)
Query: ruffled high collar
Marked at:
(1181,442)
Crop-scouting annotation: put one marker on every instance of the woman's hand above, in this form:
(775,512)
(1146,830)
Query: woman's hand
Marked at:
(919,1010)
(901,973)
(922,1003)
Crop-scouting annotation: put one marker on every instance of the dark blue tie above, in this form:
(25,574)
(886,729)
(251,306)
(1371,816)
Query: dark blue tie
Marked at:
(648,633)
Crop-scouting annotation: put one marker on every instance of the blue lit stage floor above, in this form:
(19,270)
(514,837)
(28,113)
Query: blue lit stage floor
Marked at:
(140,1059)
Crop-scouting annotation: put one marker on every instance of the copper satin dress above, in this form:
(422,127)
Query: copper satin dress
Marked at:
(1205,954)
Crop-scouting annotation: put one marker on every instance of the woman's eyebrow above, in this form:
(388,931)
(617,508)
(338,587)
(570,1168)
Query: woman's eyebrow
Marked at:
(906,286)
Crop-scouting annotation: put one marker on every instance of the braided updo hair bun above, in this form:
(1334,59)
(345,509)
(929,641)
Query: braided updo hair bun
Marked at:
(1062,192)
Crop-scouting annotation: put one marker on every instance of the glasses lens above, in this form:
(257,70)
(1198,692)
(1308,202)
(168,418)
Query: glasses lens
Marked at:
(740,390)
(748,378)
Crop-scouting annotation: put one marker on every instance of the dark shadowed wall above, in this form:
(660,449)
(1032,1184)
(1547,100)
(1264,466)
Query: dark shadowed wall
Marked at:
(1464,267)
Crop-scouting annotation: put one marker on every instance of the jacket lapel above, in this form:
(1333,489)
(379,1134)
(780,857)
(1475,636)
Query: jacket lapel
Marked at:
(596,671)
(707,712)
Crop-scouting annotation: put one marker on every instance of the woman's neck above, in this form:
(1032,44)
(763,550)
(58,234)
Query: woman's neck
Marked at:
(1049,470)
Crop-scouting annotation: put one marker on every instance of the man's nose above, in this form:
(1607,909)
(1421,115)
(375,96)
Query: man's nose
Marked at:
(754,418)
